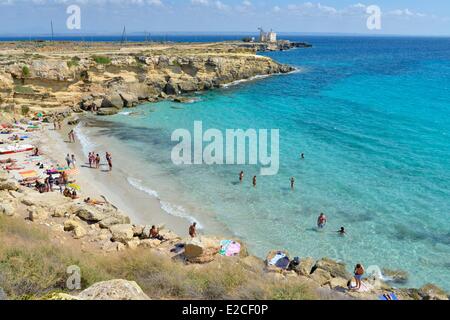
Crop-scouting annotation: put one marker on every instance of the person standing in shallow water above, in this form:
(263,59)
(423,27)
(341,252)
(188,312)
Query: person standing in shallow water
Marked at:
(292,183)
(321,221)
(109,160)
(254,181)
(241,176)
(193,230)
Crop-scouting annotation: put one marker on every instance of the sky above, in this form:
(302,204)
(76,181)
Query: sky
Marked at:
(401,17)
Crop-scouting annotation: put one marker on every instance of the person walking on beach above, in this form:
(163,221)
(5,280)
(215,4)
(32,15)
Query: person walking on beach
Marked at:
(74,161)
(321,221)
(71,136)
(292,182)
(90,159)
(241,176)
(254,181)
(193,230)
(109,160)
(359,272)
(97,161)
(59,125)
(68,160)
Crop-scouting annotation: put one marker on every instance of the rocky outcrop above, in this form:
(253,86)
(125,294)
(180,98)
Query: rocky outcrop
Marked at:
(123,78)
(201,250)
(122,233)
(113,290)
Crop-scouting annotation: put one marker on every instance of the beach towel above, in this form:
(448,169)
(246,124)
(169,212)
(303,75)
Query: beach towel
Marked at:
(391,295)
(229,248)
(28,174)
(280,260)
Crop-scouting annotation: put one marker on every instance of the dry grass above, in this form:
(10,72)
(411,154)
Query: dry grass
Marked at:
(32,268)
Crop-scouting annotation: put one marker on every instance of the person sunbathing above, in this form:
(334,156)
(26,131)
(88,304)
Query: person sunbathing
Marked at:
(94,202)
(9,160)
(154,234)
(74,195)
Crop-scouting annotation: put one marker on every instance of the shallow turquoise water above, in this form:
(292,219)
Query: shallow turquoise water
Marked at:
(371,116)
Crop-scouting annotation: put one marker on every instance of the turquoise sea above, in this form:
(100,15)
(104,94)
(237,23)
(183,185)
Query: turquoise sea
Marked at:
(371,115)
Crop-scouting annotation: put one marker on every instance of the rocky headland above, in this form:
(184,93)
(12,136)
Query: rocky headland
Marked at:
(106,77)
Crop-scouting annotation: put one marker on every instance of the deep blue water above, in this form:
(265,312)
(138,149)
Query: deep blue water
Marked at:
(372,116)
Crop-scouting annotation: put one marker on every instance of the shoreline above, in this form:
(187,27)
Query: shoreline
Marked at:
(54,147)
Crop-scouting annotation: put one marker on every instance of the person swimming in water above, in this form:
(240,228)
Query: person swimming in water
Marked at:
(342,231)
(302,156)
(254,181)
(241,176)
(292,182)
(321,221)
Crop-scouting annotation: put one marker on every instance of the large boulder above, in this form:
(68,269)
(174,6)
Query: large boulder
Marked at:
(7,209)
(90,214)
(114,100)
(76,227)
(107,111)
(9,185)
(109,222)
(395,276)
(203,250)
(37,213)
(305,266)
(113,290)
(432,292)
(129,100)
(321,276)
(122,233)
(336,269)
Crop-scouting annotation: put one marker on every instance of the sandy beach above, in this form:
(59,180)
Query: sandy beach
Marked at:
(98,183)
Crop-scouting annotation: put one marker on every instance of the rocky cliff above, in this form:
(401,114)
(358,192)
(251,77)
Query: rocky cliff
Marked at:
(107,77)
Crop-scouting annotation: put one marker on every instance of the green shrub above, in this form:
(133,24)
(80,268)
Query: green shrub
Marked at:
(101,59)
(25,71)
(25,110)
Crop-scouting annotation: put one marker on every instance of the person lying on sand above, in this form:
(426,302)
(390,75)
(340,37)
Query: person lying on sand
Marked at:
(9,160)
(94,202)
(74,195)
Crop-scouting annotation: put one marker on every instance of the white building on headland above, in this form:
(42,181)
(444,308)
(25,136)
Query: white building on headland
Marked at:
(267,36)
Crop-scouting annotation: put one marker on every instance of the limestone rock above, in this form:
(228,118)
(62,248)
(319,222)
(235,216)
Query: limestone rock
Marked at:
(107,111)
(114,100)
(138,230)
(149,243)
(37,214)
(109,222)
(122,233)
(113,290)
(201,250)
(338,283)
(7,209)
(90,214)
(9,185)
(395,276)
(305,266)
(3,295)
(336,269)
(76,227)
(321,276)
(133,244)
(433,292)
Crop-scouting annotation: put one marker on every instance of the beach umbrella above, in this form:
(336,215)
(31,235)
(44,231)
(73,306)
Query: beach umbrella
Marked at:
(74,186)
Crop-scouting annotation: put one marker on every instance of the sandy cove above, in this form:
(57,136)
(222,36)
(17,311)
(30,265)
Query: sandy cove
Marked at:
(118,226)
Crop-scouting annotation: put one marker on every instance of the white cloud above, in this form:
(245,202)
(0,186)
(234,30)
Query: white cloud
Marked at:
(200,2)
(221,6)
